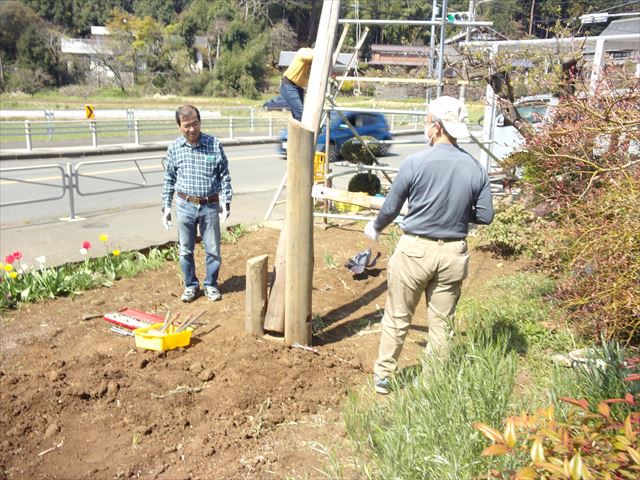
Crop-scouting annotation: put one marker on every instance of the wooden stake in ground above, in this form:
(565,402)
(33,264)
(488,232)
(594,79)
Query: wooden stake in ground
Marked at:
(274,318)
(256,294)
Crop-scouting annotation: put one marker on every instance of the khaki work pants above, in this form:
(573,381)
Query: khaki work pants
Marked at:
(419,265)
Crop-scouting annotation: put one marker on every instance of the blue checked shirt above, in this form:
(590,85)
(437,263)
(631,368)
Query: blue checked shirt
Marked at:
(199,171)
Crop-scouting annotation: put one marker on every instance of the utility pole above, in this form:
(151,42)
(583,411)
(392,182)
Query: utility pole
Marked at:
(432,45)
(441,48)
(467,37)
(533,6)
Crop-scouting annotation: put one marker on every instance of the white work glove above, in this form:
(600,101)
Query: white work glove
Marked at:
(225,211)
(166,218)
(370,231)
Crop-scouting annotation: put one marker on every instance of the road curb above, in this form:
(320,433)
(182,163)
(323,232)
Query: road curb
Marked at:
(74,152)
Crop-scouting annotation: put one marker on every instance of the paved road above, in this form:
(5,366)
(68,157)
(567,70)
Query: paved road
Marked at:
(253,169)
(132,218)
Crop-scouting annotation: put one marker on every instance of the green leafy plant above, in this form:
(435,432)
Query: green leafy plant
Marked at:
(329,260)
(600,375)
(232,234)
(391,237)
(20,282)
(354,151)
(513,231)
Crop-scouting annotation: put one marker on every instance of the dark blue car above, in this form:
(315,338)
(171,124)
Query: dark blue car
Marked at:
(275,103)
(365,123)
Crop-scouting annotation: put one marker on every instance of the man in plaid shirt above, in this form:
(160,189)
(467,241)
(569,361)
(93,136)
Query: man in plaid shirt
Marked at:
(198,172)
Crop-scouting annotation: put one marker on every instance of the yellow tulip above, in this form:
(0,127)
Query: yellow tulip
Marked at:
(115,252)
(13,274)
(104,237)
(8,267)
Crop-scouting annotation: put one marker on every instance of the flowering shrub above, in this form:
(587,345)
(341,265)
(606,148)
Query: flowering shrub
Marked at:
(20,282)
(585,163)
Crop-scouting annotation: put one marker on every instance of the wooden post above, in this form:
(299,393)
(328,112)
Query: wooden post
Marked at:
(321,66)
(311,115)
(256,294)
(274,318)
(299,239)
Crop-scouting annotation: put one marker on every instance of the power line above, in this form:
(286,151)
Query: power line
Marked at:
(619,6)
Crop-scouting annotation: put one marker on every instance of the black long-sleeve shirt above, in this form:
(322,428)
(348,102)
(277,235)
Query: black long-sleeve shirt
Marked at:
(446,188)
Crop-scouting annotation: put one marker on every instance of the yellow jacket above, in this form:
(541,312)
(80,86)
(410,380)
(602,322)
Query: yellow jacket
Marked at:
(298,71)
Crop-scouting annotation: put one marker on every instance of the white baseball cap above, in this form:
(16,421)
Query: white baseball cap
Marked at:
(452,114)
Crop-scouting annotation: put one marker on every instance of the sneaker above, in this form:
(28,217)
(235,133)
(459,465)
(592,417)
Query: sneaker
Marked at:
(189,295)
(381,385)
(213,294)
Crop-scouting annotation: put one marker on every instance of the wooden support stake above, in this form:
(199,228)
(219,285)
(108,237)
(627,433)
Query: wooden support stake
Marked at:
(256,294)
(353,198)
(274,318)
(299,239)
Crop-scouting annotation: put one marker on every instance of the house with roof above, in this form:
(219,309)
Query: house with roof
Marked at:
(97,51)
(618,52)
(342,62)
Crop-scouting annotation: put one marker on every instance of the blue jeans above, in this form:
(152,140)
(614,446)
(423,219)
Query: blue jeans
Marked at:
(189,217)
(294,97)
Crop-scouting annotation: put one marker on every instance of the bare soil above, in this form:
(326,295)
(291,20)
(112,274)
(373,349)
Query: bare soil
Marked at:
(78,401)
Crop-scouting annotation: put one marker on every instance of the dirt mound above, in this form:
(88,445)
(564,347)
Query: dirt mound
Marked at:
(79,401)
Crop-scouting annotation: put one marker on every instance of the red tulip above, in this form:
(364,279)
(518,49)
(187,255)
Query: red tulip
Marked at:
(17,255)
(86,244)
(9,259)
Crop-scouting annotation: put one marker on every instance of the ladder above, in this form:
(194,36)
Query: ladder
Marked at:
(335,88)
(297,236)
(334,92)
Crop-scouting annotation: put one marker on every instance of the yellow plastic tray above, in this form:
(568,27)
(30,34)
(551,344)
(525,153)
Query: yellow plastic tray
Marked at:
(150,340)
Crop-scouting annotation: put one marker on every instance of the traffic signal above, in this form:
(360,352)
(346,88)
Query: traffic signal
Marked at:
(457,17)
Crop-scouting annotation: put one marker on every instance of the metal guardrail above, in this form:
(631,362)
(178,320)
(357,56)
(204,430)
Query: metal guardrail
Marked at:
(96,130)
(99,130)
(62,186)
(71,180)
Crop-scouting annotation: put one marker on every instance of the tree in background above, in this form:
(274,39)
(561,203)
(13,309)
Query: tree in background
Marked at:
(29,50)
(280,37)
(241,68)
(163,11)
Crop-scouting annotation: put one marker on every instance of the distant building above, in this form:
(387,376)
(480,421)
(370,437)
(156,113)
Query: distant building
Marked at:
(97,47)
(341,63)
(619,51)
(407,56)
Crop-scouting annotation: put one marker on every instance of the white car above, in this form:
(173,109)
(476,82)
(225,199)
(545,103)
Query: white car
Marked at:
(536,109)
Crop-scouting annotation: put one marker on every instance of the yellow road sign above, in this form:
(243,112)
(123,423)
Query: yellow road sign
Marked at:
(88,110)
